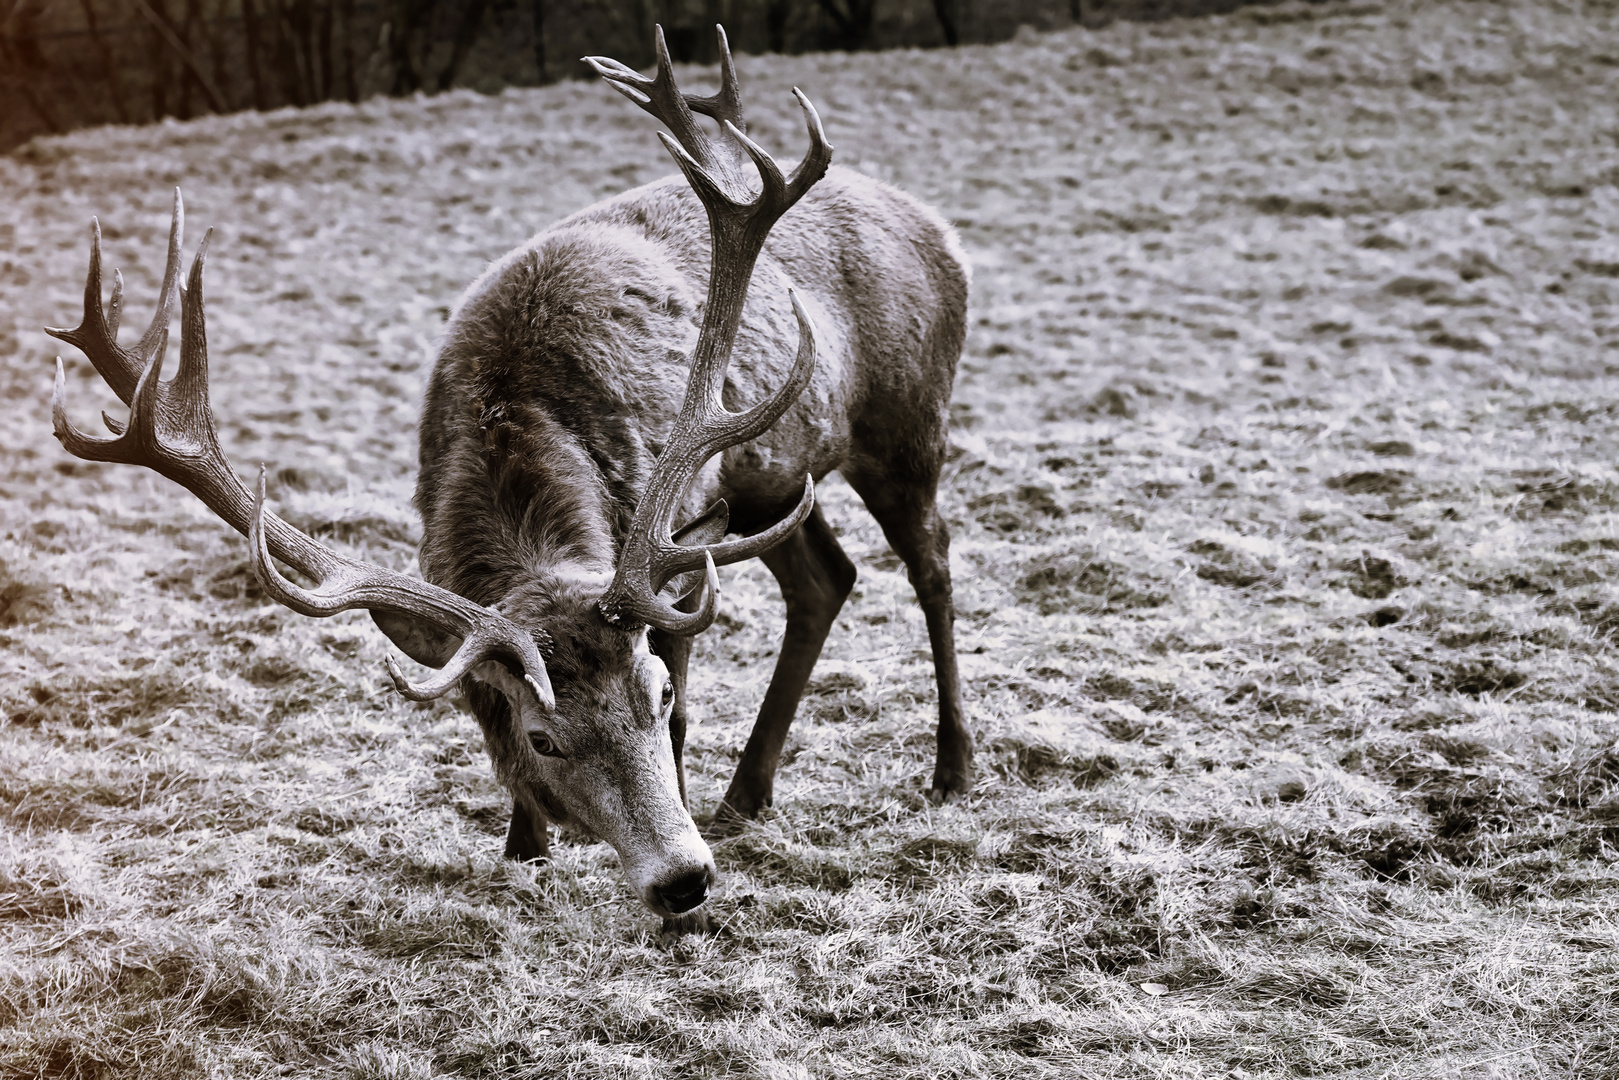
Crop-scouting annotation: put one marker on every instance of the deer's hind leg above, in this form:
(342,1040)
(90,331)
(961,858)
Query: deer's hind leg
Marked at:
(816,577)
(898,478)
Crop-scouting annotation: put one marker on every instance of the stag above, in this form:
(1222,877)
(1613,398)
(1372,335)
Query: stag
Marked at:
(586,398)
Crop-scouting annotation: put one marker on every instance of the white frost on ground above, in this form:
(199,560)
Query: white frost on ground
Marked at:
(1284,513)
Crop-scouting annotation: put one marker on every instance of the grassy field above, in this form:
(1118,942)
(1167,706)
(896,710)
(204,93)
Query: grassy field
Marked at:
(1284,498)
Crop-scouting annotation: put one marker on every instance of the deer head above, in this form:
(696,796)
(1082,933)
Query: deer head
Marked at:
(573,702)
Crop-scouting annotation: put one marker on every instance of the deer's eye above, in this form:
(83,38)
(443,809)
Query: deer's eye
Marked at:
(542,744)
(668,694)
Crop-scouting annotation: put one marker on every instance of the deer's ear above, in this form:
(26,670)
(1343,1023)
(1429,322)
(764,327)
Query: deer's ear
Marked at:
(706,528)
(422,642)
(701,531)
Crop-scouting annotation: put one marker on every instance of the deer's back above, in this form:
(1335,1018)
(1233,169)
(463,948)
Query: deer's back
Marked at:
(575,345)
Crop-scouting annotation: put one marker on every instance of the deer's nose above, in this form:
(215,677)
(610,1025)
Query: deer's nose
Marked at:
(684,892)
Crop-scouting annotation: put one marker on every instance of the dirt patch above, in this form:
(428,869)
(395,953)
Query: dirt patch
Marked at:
(1370,482)
(131,701)
(1485,675)
(1035,763)
(23,598)
(1080,581)
(1234,569)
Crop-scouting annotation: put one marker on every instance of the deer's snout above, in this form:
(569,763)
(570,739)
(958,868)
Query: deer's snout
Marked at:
(674,876)
(683,892)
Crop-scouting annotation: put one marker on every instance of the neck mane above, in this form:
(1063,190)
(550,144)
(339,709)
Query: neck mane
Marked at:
(529,510)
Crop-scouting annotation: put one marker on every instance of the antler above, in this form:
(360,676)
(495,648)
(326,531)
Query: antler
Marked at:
(171,430)
(738,223)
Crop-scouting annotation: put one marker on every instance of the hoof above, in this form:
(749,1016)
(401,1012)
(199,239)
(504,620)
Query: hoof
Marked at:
(949,788)
(950,785)
(692,922)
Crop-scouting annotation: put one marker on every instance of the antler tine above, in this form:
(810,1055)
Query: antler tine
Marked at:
(621,77)
(659,96)
(189,390)
(739,222)
(115,306)
(171,431)
(726,105)
(674,621)
(157,332)
(727,429)
(97,333)
(818,160)
(353,585)
(484,643)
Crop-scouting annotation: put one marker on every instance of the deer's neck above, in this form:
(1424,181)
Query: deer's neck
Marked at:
(530,511)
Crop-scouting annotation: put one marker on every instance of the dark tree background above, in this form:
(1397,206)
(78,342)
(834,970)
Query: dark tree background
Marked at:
(69,63)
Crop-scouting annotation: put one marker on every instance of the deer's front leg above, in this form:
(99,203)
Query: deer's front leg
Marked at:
(527,839)
(816,578)
(675,652)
